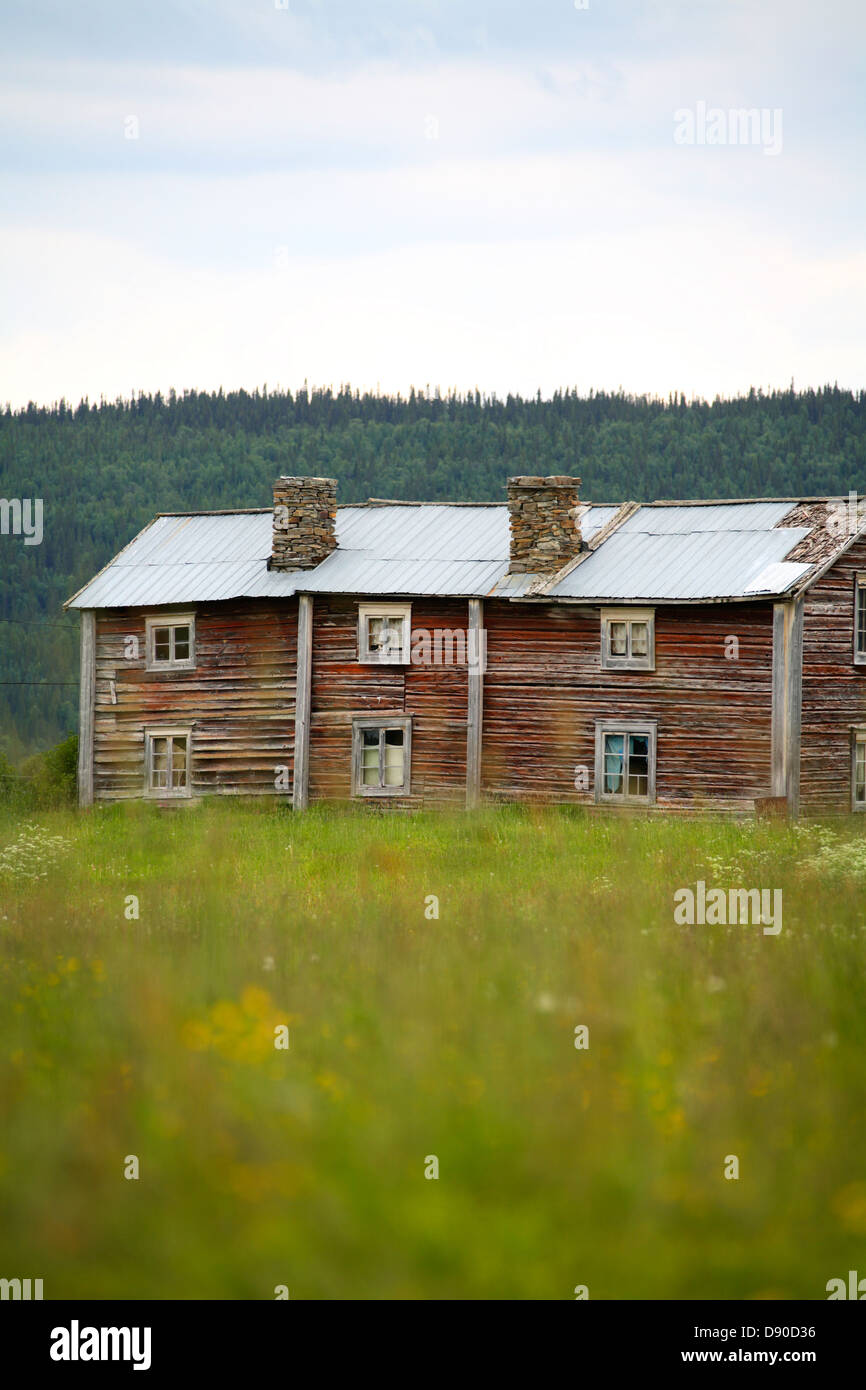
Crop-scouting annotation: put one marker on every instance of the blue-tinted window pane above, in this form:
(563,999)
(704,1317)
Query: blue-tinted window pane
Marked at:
(614,757)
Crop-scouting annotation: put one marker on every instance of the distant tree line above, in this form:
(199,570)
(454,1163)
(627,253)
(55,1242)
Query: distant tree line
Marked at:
(103,470)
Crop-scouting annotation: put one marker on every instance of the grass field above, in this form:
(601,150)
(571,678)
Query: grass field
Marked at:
(413,1036)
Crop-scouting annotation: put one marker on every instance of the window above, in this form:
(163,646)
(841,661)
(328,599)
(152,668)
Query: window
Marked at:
(384,633)
(628,639)
(170,642)
(381,757)
(860,620)
(167,762)
(858,768)
(625,761)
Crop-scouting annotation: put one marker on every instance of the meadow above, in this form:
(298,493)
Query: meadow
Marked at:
(149,960)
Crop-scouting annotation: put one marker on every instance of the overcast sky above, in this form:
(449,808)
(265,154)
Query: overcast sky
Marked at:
(469,193)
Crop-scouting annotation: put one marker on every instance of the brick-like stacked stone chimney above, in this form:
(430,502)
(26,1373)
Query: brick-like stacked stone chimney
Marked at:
(545,532)
(305,516)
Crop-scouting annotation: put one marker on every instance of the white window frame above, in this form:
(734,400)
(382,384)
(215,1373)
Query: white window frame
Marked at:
(859,602)
(643,728)
(167,731)
(171,621)
(366,611)
(383,724)
(611,662)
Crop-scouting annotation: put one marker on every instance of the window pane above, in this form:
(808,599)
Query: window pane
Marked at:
(384,635)
(614,751)
(860,772)
(393,757)
(639,639)
(162,644)
(181,643)
(618,639)
(861,621)
(159,763)
(178,762)
(370,757)
(376,634)
(638,765)
(395,637)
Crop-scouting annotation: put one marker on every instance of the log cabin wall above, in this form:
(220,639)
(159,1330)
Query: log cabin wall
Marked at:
(834,688)
(240,698)
(435,696)
(544,688)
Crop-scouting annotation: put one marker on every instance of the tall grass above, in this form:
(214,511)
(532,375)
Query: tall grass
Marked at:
(413,1036)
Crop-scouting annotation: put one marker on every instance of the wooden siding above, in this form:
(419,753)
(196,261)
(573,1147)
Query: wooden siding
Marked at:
(435,696)
(240,699)
(834,689)
(544,689)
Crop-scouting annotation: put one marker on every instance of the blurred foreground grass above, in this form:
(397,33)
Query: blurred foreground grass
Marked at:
(412,1036)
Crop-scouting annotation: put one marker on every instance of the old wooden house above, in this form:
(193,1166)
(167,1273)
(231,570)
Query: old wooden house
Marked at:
(681,656)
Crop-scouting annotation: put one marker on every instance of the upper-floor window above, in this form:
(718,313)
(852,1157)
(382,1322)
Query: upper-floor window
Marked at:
(384,633)
(860,620)
(628,639)
(170,642)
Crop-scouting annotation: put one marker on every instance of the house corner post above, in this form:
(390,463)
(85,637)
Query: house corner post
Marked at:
(476,659)
(303,682)
(794,704)
(87,700)
(787,702)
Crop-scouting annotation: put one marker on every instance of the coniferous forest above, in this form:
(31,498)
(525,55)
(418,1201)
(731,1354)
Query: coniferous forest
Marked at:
(104,470)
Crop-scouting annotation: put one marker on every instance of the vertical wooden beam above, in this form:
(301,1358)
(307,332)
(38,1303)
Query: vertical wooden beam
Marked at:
(787,701)
(87,700)
(778,737)
(303,681)
(795,704)
(475,654)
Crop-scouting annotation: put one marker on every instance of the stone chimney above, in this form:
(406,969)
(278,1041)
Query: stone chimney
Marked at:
(545,532)
(305,515)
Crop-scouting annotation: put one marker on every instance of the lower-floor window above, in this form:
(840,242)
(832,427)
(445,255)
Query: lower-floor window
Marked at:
(858,770)
(625,761)
(381,756)
(167,761)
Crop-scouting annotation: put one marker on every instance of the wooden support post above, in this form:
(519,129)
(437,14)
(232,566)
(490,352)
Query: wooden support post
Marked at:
(787,702)
(475,656)
(795,705)
(87,699)
(300,781)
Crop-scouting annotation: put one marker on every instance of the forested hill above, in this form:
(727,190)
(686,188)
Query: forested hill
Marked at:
(104,470)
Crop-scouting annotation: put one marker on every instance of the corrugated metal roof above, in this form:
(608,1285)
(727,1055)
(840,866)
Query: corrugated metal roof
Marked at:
(661,553)
(666,554)
(593,518)
(432,532)
(437,549)
(666,519)
(777,578)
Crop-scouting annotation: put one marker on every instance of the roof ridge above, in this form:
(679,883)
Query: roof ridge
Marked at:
(219,511)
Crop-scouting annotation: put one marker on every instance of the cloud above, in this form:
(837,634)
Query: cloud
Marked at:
(483,194)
